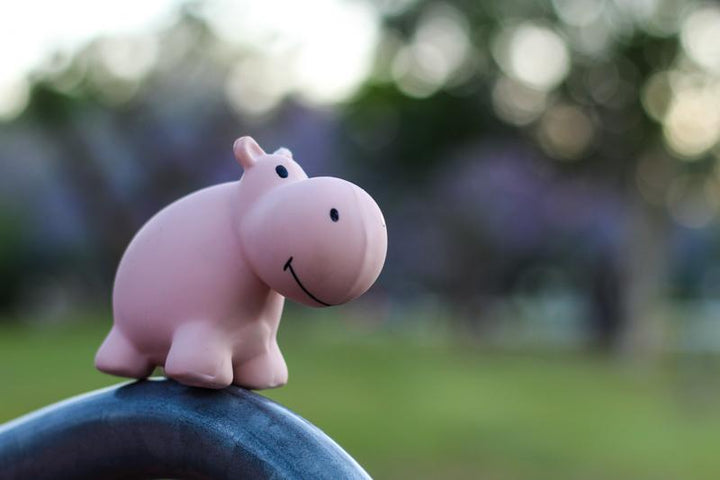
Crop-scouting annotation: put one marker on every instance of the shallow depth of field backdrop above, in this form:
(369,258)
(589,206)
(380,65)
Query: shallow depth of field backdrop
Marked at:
(550,176)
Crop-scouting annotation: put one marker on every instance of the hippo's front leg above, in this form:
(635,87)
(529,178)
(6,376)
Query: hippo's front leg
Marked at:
(266,370)
(200,356)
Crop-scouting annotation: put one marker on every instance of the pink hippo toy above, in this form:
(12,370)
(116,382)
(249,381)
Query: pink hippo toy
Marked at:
(201,287)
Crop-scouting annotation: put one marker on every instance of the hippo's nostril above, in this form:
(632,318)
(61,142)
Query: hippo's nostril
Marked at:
(334,215)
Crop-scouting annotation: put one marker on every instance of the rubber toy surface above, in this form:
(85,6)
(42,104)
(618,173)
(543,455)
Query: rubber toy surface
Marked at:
(201,287)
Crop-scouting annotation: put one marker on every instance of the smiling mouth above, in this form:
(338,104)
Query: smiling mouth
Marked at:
(288,264)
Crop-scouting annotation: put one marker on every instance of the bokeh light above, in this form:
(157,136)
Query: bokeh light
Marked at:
(130,57)
(322,61)
(517,103)
(579,13)
(438,48)
(14,93)
(656,95)
(692,122)
(565,132)
(700,37)
(254,87)
(532,53)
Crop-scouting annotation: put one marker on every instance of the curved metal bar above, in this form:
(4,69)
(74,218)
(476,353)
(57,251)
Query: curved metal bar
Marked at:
(162,429)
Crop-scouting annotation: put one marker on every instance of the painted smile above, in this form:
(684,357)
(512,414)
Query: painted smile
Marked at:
(288,264)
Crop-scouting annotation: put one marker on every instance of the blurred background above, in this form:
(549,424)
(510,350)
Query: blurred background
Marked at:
(550,176)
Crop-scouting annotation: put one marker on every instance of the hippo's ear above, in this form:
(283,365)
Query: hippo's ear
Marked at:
(247,151)
(284,152)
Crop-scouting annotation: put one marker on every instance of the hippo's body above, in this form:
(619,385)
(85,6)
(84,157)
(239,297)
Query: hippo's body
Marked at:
(201,287)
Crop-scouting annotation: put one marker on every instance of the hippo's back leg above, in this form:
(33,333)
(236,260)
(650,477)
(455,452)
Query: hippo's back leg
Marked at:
(118,356)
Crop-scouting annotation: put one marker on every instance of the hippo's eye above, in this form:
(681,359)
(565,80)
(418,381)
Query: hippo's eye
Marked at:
(281,171)
(334,215)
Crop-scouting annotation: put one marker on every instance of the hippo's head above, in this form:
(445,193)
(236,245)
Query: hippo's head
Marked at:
(320,241)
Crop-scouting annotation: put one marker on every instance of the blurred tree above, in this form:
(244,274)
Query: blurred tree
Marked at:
(99,123)
(609,91)
(123,127)
(512,144)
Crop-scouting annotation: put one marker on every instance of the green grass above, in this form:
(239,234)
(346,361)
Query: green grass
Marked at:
(412,408)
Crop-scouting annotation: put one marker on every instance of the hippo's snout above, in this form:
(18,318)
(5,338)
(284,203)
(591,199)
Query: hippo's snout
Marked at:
(329,233)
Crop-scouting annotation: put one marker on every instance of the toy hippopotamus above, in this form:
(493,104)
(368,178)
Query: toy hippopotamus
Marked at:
(201,287)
